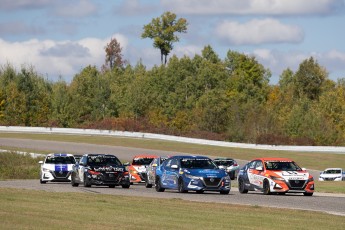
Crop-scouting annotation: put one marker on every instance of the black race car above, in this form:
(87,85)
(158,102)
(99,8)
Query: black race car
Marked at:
(100,169)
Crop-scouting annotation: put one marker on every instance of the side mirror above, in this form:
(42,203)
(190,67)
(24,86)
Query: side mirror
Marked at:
(126,164)
(40,162)
(259,168)
(174,167)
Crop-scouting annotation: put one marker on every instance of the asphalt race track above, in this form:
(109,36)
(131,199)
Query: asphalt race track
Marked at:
(333,204)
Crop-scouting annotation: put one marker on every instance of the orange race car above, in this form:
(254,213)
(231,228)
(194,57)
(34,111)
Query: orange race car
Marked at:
(137,169)
(275,175)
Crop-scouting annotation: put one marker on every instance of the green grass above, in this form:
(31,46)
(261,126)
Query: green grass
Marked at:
(29,209)
(330,186)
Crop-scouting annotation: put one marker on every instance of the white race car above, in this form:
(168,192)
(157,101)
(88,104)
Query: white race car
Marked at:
(332,174)
(56,167)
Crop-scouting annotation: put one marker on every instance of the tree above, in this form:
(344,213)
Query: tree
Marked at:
(162,30)
(113,55)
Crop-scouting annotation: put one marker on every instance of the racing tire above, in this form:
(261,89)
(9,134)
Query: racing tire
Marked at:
(73,183)
(224,192)
(232,175)
(87,182)
(42,182)
(126,185)
(147,184)
(112,186)
(308,193)
(241,186)
(158,185)
(266,188)
(181,188)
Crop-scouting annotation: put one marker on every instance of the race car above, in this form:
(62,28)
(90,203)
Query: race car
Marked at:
(332,174)
(275,175)
(137,169)
(151,171)
(195,173)
(100,169)
(56,167)
(229,165)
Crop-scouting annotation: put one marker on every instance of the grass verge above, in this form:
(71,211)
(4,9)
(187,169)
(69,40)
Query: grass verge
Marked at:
(29,209)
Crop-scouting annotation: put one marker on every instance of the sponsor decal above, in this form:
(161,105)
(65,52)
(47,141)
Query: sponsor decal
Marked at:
(108,169)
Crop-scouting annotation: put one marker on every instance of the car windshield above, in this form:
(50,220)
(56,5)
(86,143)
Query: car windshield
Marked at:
(224,162)
(142,161)
(103,160)
(197,163)
(333,171)
(282,165)
(60,160)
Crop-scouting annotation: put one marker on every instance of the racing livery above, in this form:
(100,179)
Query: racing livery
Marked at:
(229,165)
(100,169)
(56,167)
(151,171)
(137,169)
(196,173)
(275,175)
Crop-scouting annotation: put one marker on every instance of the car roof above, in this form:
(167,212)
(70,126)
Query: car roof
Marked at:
(273,159)
(333,169)
(60,154)
(223,159)
(190,156)
(145,156)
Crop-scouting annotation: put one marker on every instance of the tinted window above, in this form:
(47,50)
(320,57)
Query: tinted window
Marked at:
(103,160)
(197,163)
(142,161)
(224,162)
(282,165)
(60,160)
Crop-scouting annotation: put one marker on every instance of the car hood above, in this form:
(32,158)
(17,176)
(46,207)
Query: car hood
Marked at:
(58,167)
(293,175)
(108,168)
(140,168)
(211,173)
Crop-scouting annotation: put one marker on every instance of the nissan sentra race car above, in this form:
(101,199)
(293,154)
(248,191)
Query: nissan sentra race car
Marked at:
(275,175)
(100,169)
(137,169)
(56,167)
(196,173)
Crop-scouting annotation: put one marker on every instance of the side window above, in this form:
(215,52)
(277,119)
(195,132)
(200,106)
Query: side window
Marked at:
(168,164)
(252,164)
(83,160)
(258,164)
(174,162)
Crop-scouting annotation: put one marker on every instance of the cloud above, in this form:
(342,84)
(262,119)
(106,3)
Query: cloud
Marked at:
(134,7)
(19,28)
(57,58)
(257,32)
(79,9)
(278,61)
(23,4)
(254,7)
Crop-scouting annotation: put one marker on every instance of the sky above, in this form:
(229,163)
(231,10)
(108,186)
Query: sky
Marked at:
(60,38)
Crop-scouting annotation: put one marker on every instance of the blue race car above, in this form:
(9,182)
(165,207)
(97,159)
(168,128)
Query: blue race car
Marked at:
(196,173)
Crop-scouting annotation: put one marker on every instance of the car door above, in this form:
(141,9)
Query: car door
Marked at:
(254,174)
(81,168)
(169,179)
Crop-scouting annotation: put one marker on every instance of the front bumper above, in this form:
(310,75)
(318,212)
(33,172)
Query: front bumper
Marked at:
(109,179)
(56,176)
(292,186)
(208,184)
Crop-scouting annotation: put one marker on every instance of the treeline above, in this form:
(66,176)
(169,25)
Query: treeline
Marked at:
(203,97)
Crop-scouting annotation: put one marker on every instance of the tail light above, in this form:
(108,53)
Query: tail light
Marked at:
(94,172)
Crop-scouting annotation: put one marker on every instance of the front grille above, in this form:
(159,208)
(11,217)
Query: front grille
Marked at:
(212,182)
(112,177)
(329,179)
(297,184)
(60,174)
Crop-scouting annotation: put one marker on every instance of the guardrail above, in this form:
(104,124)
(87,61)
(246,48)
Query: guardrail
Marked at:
(48,130)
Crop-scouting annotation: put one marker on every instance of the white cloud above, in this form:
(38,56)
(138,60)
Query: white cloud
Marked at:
(80,8)
(277,61)
(253,7)
(54,58)
(258,32)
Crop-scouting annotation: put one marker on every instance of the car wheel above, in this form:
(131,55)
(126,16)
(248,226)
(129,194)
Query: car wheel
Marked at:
(87,182)
(225,192)
(42,182)
(126,185)
(181,188)
(242,186)
(158,185)
(73,183)
(308,193)
(232,175)
(147,184)
(266,188)
(112,186)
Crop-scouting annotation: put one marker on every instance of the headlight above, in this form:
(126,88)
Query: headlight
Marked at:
(45,170)
(192,177)
(277,178)
(131,171)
